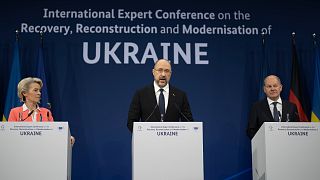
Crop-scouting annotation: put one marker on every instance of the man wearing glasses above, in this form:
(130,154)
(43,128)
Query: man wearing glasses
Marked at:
(159,102)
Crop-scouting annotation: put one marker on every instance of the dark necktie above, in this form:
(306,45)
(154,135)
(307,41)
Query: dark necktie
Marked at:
(275,112)
(161,104)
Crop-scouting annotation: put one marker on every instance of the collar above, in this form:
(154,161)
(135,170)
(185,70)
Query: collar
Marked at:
(156,87)
(24,107)
(271,101)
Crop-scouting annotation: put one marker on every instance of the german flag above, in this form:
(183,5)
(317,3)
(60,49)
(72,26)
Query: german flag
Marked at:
(295,95)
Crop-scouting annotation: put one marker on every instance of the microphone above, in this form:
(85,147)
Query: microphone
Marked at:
(20,116)
(29,114)
(148,118)
(176,105)
(40,117)
(288,117)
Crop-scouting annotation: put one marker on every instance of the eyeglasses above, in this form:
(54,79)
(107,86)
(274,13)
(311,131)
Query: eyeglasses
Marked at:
(166,71)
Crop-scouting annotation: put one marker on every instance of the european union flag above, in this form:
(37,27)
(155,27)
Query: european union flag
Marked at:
(42,75)
(12,99)
(264,68)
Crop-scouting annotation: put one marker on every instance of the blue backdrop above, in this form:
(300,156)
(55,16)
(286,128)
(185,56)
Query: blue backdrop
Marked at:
(95,97)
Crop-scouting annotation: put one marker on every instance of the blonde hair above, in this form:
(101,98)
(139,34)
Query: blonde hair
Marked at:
(23,86)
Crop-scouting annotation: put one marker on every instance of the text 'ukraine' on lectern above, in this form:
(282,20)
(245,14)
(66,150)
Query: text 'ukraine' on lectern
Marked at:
(35,151)
(167,151)
(287,150)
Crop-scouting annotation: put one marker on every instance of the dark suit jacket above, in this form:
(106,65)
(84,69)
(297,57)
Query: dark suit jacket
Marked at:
(261,113)
(144,107)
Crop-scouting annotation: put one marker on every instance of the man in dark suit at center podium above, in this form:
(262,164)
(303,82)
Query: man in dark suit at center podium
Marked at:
(159,101)
(272,108)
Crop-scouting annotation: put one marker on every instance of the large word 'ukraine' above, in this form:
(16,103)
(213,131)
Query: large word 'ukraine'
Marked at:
(125,52)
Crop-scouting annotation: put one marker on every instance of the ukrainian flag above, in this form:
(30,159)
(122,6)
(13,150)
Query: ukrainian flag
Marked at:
(315,114)
(12,99)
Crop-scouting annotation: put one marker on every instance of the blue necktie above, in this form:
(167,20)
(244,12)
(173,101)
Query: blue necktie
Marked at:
(161,104)
(275,112)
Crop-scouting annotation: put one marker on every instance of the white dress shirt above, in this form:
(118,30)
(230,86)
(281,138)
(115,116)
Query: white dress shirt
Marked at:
(34,115)
(279,106)
(165,93)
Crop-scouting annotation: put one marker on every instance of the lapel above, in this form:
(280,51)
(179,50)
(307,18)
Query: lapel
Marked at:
(153,100)
(38,116)
(170,102)
(25,117)
(151,95)
(267,110)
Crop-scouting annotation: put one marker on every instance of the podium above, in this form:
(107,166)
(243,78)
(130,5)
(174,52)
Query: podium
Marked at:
(287,150)
(35,150)
(167,151)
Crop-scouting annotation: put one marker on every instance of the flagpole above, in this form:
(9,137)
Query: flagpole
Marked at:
(293,34)
(41,38)
(263,38)
(17,34)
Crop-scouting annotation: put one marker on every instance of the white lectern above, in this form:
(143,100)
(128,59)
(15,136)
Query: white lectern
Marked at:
(287,150)
(167,151)
(35,151)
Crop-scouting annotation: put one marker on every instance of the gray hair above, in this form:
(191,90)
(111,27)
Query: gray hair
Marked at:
(155,64)
(264,81)
(162,60)
(24,84)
